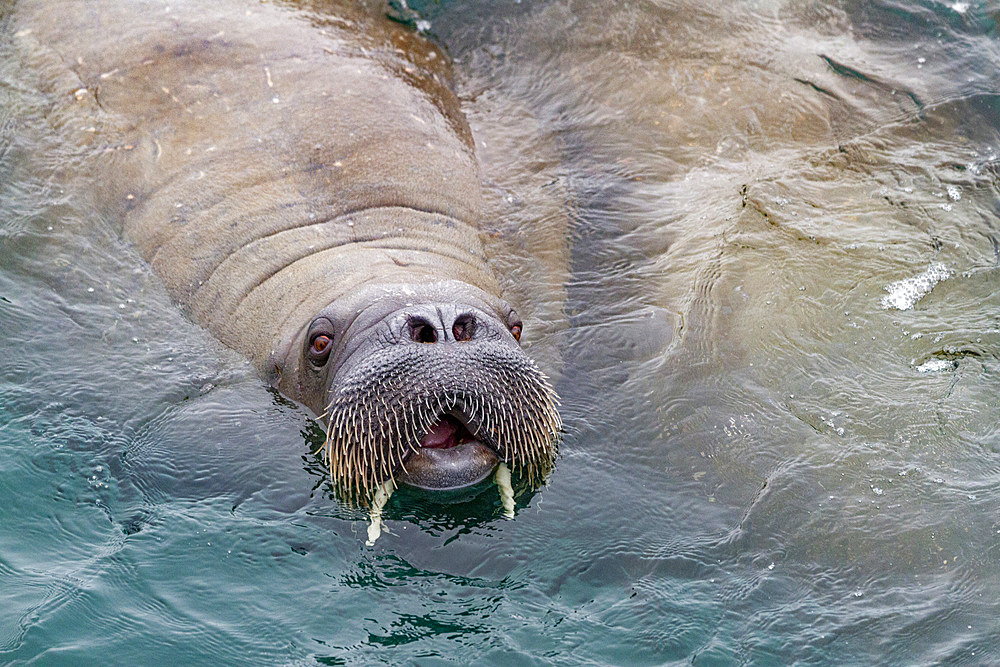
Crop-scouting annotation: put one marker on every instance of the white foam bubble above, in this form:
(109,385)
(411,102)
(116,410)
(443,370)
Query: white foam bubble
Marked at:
(935,366)
(903,294)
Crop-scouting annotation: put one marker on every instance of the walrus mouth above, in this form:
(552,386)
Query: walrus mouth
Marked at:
(449,457)
(439,420)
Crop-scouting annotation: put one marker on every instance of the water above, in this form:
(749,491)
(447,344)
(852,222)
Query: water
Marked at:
(763,462)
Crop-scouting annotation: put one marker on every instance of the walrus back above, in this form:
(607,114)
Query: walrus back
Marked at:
(266,160)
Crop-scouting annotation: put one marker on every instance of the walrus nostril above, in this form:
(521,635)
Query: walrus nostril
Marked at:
(422,331)
(464,327)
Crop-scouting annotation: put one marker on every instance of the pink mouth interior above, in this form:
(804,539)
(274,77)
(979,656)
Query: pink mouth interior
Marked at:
(447,433)
(449,457)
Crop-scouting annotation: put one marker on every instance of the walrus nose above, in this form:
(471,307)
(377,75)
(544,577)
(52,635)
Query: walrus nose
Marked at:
(440,325)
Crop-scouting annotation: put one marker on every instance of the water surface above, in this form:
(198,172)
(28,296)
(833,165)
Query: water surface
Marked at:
(779,368)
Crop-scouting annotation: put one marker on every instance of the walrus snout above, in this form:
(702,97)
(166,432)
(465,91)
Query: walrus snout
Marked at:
(427,386)
(435,395)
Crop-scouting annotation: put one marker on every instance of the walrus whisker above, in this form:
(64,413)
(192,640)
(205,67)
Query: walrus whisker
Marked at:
(503,399)
(322,446)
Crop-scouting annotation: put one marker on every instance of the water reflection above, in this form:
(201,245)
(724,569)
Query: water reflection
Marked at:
(767,172)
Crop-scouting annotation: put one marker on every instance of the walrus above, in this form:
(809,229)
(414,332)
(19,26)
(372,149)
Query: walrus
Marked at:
(302,179)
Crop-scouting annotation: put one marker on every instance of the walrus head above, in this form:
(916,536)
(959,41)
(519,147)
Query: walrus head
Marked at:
(426,385)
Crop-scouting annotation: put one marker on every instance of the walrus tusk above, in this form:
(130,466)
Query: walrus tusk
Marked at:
(506,490)
(381,497)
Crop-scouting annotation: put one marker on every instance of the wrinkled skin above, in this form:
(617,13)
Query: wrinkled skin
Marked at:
(436,365)
(294,172)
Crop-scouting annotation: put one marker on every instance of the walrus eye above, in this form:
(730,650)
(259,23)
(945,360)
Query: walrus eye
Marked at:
(319,349)
(515,331)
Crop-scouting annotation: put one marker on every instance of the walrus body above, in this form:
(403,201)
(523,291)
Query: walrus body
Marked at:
(307,188)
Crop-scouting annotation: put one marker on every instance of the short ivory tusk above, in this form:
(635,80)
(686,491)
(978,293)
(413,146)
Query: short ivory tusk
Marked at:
(506,490)
(378,503)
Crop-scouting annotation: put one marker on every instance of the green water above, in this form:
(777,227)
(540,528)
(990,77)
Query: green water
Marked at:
(780,378)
